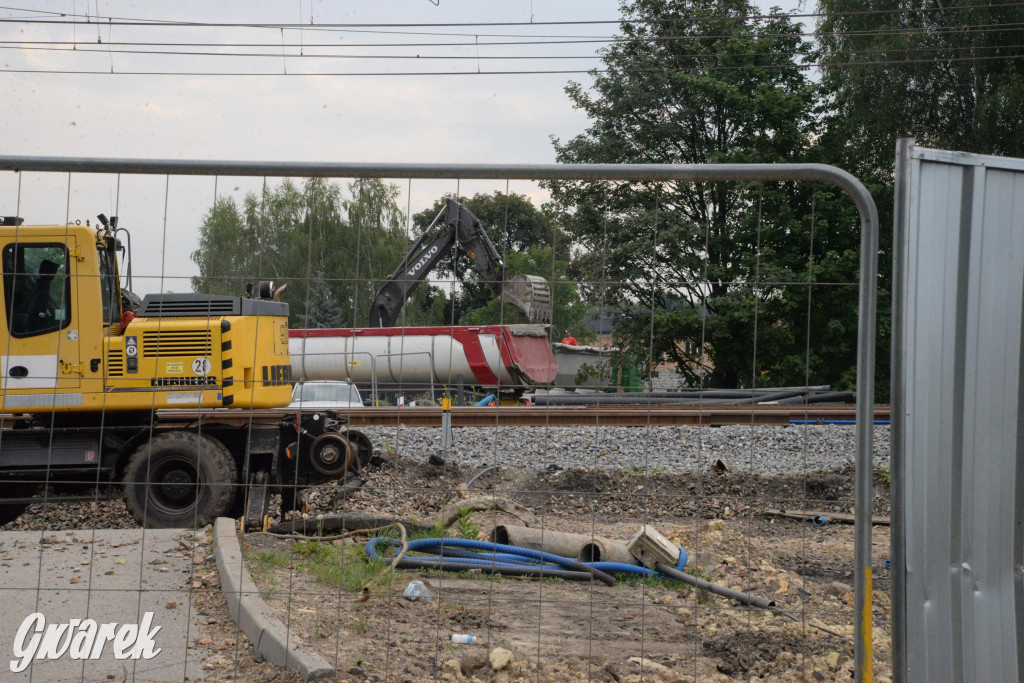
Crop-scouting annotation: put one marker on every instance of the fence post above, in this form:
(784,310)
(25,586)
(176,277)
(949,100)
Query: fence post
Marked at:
(447,438)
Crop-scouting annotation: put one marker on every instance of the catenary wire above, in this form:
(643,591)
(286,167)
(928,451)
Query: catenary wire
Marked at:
(696,55)
(713,67)
(72,18)
(562,40)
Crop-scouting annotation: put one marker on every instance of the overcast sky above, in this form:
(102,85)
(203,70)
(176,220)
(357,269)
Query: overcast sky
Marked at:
(389,117)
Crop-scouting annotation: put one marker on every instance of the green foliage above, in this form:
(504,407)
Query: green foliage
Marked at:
(331,248)
(892,73)
(883,474)
(701,265)
(347,567)
(465,525)
(943,83)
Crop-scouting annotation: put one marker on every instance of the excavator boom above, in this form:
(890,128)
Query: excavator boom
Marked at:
(455,226)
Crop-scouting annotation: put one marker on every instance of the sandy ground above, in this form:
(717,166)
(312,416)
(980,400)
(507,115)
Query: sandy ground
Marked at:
(555,630)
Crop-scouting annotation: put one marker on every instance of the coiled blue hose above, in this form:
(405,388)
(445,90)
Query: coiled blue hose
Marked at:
(458,554)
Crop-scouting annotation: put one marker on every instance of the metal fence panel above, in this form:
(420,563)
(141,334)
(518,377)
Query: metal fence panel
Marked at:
(958,455)
(861,600)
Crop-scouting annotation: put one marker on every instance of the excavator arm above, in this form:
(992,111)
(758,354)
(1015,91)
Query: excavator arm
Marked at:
(455,226)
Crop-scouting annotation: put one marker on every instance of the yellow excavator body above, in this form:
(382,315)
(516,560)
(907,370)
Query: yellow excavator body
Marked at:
(65,346)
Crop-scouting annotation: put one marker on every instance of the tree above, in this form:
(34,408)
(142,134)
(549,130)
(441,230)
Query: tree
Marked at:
(942,80)
(330,250)
(224,256)
(698,268)
(907,69)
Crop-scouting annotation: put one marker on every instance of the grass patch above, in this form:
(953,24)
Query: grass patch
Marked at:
(347,567)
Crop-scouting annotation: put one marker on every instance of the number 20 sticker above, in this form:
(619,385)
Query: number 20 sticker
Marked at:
(202,366)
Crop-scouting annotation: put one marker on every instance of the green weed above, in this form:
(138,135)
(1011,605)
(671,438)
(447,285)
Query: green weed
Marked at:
(465,525)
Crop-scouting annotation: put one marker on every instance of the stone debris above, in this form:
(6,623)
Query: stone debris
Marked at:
(500,658)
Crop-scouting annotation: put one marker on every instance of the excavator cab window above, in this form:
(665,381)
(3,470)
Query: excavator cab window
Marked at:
(37,290)
(110,289)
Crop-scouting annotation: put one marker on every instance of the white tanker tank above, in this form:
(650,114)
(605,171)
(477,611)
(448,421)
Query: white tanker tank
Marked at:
(508,357)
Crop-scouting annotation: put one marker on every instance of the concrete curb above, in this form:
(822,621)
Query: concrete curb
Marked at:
(269,636)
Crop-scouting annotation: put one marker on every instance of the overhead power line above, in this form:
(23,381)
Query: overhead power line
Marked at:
(71,18)
(712,67)
(544,40)
(695,55)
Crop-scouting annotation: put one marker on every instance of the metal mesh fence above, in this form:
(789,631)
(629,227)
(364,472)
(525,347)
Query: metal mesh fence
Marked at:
(261,482)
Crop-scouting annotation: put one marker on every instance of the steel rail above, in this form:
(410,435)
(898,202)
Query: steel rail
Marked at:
(867,293)
(527,416)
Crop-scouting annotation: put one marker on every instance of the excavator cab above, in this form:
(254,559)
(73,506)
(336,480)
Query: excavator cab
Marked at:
(69,346)
(455,226)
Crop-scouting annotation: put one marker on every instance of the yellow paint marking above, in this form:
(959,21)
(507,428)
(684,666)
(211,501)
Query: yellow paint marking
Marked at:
(868,653)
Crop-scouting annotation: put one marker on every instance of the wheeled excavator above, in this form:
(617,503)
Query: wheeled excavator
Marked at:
(456,226)
(166,399)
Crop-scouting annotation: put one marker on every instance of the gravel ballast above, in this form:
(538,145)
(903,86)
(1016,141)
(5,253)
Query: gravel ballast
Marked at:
(767,450)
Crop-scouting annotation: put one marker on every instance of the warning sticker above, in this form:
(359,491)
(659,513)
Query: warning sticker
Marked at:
(179,397)
(175,368)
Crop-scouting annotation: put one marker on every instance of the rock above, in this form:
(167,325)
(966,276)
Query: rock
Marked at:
(649,666)
(500,658)
(833,660)
(473,660)
(839,589)
(452,668)
(716,525)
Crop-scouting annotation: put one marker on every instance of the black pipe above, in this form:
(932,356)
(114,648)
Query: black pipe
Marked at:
(831,397)
(504,570)
(738,596)
(718,393)
(766,398)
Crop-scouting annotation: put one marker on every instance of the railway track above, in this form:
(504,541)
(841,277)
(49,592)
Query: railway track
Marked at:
(611,416)
(573,416)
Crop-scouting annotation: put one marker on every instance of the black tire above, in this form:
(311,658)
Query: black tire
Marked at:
(180,480)
(11,511)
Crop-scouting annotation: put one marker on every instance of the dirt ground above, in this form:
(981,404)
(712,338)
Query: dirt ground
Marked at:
(558,630)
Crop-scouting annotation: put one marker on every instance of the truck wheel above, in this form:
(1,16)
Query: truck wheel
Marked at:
(11,511)
(180,480)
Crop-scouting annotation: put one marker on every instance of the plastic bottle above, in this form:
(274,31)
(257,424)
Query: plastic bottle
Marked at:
(416,590)
(463,638)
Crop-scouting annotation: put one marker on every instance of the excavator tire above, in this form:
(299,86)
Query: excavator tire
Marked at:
(180,480)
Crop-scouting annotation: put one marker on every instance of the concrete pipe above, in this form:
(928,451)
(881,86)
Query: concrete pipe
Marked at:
(583,547)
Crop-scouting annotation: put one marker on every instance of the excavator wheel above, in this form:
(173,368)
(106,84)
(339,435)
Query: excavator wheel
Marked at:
(180,479)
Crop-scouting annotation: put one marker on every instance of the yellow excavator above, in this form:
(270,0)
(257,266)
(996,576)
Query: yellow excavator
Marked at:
(163,397)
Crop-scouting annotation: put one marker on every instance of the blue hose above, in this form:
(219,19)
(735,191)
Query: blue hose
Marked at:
(501,558)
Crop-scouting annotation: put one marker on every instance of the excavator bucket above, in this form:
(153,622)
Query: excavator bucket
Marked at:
(531,294)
